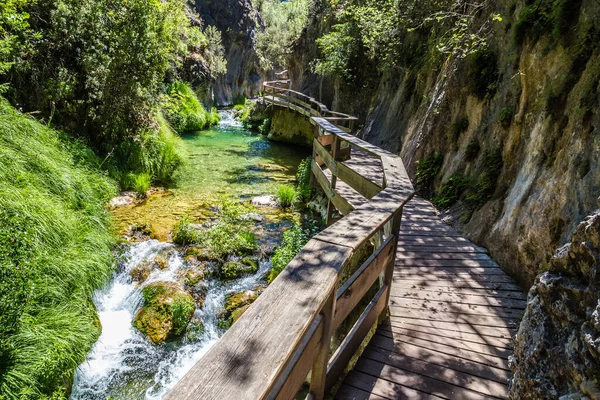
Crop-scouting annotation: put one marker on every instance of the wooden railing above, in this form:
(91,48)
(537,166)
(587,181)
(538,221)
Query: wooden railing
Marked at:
(279,93)
(286,333)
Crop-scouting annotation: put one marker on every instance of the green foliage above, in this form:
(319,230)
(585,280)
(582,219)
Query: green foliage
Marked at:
(98,68)
(265,127)
(303,188)
(428,168)
(284,21)
(230,234)
(472,150)
(482,73)
(55,250)
(505,116)
(484,188)
(239,100)
(451,191)
(457,127)
(555,17)
(286,196)
(185,233)
(293,240)
(184,111)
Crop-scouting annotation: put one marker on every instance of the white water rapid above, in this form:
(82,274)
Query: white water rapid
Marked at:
(123,364)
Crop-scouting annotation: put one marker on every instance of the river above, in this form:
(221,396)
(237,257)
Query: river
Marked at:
(225,161)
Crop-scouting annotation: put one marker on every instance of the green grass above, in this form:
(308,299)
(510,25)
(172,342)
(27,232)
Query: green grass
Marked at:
(55,250)
(184,111)
(286,196)
(303,188)
(293,240)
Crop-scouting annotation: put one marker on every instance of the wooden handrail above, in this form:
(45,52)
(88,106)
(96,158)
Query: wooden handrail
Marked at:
(286,333)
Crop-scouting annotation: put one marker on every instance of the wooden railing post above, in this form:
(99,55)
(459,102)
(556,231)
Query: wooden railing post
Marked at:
(319,370)
(335,148)
(388,274)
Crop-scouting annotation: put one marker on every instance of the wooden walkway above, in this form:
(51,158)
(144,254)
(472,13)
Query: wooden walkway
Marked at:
(453,313)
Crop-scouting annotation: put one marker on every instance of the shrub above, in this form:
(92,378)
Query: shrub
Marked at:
(286,196)
(55,251)
(265,126)
(486,183)
(184,232)
(239,100)
(293,240)
(451,191)
(482,73)
(184,111)
(457,127)
(428,168)
(303,188)
(472,150)
(505,116)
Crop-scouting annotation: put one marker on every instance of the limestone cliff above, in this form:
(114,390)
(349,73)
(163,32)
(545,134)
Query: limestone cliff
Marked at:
(238,22)
(557,350)
(517,127)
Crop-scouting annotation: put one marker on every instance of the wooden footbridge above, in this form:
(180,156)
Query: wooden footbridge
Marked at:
(431,314)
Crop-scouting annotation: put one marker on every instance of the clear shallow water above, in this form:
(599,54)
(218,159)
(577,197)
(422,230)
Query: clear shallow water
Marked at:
(225,161)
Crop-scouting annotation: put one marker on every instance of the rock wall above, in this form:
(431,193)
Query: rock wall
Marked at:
(557,351)
(238,22)
(290,127)
(530,103)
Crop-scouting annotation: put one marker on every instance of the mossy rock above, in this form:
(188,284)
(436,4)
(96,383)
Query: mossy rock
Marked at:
(235,305)
(141,272)
(195,330)
(235,269)
(166,312)
(193,276)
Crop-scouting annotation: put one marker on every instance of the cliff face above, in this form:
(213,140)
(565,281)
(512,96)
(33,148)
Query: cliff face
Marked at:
(238,22)
(518,125)
(557,351)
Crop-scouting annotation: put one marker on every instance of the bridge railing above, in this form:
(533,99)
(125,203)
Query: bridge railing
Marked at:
(286,333)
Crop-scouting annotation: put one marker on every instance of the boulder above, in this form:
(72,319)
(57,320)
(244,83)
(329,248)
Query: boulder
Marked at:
(237,268)
(557,349)
(236,304)
(165,313)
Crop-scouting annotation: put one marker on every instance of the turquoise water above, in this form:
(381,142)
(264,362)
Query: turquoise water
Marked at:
(226,161)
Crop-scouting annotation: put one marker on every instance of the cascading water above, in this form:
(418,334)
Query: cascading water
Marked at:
(123,364)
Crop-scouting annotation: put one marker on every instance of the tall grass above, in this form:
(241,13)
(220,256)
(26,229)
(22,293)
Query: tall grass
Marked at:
(184,111)
(55,250)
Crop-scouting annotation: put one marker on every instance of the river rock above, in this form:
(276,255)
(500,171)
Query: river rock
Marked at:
(235,305)
(265,201)
(165,313)
(557,350)
(122,200)
(236,268)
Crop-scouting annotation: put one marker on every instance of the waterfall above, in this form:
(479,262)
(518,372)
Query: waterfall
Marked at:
(123,364)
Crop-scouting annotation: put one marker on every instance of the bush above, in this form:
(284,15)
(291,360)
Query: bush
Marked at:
(428,168)
(482,73)
(486,183)
(505,116)
(303,188)
(451,191)
(184,233)
(457,127)
(184,111)
(265,127)
(286,196)
(472,150)
(55,251)
(293,240)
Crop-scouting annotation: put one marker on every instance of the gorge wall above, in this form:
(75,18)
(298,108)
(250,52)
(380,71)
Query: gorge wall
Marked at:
(238,22)
(516,126)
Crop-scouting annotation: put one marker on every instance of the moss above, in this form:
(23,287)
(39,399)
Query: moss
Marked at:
(428,168)
(553,17)
(195,330)
(235,305)
(457,127)
(166,311)
(482,73)
(451,191)
(505,116)
(236,269)
(472,150)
